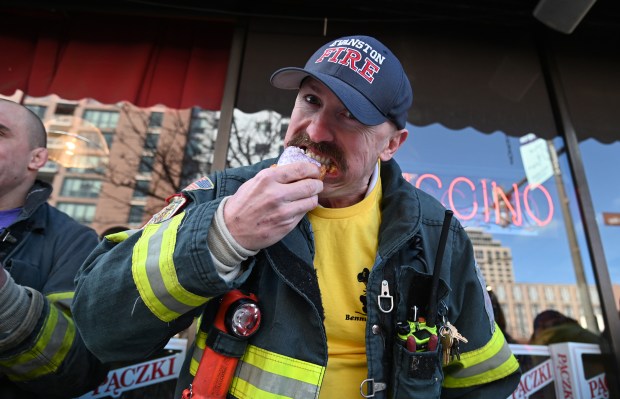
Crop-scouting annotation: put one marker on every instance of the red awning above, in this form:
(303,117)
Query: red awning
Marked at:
(145,61)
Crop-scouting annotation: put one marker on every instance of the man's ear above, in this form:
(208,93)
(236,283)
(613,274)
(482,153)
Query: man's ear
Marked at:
(397,139)
(38,158)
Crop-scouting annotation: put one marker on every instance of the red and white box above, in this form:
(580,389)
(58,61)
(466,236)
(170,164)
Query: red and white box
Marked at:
(568,370)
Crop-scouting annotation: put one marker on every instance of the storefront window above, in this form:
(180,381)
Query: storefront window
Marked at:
(589,73)
(484,142)
(255,137)
(486,181)
(132,180)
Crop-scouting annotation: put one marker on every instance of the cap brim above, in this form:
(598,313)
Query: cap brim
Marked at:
(362,109)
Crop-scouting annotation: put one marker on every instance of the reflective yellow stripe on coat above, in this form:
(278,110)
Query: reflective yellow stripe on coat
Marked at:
(267,375)
(199,348)
(155,275)
(261,374)
(49,351)
(489,363)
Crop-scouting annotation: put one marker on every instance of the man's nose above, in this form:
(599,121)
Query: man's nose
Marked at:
(321,128)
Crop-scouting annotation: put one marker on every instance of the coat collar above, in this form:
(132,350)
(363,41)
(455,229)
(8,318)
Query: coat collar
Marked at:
(36,197)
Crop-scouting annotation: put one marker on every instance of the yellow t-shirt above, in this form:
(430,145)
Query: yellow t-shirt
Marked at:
(346,242)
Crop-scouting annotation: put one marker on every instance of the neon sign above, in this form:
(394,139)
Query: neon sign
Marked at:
(496,205)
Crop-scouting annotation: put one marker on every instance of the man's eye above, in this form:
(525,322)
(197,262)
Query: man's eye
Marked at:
(312,99)
(349,115)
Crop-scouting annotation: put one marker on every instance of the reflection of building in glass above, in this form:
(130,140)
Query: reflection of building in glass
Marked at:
(255,137)
(200,144)
(494,260)
(153,153)
(521,302)
(143,168)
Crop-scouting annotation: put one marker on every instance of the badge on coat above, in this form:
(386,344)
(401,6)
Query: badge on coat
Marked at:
(175,204)
(204,183)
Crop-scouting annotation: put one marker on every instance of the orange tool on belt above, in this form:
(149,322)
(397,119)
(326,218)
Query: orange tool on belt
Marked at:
(238,317)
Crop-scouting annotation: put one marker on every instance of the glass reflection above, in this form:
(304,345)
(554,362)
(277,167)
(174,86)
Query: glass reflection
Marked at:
(508,192)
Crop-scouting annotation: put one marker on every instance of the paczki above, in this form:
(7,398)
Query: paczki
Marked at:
(293,154)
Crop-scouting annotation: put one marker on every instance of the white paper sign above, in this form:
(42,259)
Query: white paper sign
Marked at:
(536,161)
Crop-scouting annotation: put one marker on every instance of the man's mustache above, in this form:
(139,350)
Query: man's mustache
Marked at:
(328,149)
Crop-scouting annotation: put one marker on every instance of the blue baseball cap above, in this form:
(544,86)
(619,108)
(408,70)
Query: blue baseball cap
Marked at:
(363,73)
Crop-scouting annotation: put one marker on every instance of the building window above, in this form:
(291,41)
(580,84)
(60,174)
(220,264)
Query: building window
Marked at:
(39,110)
(594,296)
(533,292)
(146,164)
(516,293)
(150,143)
(65,109)
(94,163)
(81,188)
(101,119)
(501,293)
(108,136)
(141,189)
(155,119)
(83,213)
(521,320)
(136,214)
(262,149)
(535,309)
(549,295)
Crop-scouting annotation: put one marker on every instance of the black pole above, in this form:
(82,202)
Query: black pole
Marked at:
(431,316)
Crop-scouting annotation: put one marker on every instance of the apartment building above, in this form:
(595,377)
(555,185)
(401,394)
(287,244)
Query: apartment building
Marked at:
(124,160)
(522,301)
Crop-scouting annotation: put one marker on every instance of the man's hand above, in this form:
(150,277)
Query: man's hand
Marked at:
(269,206)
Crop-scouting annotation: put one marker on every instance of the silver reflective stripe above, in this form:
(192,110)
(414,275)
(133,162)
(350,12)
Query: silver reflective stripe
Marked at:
(276,384)
(154,273)
(197,354)
(45,354)
(489,364)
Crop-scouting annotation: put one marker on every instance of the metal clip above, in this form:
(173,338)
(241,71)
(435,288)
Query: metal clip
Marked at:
(373,387)
(5,235)
(385,293)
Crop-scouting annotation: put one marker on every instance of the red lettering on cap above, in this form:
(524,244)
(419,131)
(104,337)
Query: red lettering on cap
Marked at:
(334,57)
(328,52)
(350,58)
(368,70)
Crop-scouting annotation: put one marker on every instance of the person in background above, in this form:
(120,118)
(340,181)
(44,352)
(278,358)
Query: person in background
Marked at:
(337,255)
(500,318)
(42,354)
(552,327)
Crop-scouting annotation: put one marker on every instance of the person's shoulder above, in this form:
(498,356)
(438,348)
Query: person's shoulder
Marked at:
(243,173)
(222,183)
(248,171)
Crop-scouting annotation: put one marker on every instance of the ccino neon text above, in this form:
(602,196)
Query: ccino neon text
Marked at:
(496,204)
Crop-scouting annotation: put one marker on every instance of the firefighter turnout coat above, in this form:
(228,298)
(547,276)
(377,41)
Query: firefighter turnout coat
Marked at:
(46,357)
(139,288)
